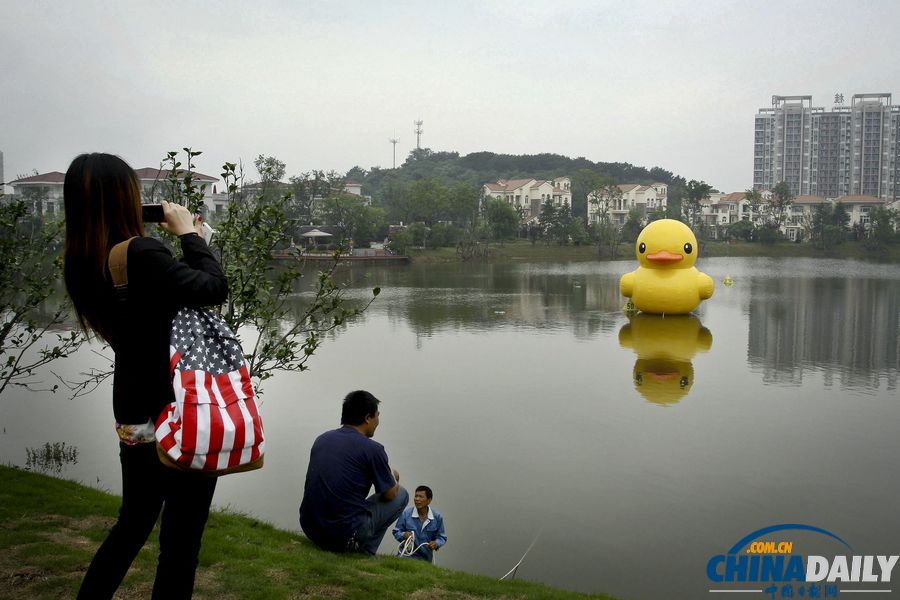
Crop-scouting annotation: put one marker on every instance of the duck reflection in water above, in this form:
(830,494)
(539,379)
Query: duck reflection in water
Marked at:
(663,372)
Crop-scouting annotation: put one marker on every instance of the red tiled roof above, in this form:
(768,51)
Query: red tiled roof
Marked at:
(151,174)
(808,200)
(627,187)
(733,197)
(517,183)
(51,177)
(506,186)
(855,199)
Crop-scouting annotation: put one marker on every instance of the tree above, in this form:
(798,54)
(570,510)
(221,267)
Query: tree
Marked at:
(562,230)
(675,196)
(501,218)
(401,241)
(840,218)
(882,222)
(585,181)
(350,217)
(281,336)
(779,205)
(549,220)
(270,169)
(606,232)
(462,204)
(309,188)
(742,230)
(755,201)
(696,192)
(35,320)
(632,227)
(657,213)
(828,225)
(428,199)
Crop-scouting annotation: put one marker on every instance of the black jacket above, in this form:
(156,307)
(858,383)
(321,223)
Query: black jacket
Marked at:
(158,286)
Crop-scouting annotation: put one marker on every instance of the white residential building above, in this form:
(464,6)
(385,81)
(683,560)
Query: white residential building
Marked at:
(48,187)
(644,198)
(154,183)
(721,210)
(527,195)
(351,186)
(724,209)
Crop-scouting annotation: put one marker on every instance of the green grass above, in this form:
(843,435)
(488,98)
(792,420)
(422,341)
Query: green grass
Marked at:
(524,250)
(50,529)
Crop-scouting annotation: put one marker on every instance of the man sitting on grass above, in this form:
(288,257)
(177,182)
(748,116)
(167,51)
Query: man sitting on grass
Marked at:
(343,465)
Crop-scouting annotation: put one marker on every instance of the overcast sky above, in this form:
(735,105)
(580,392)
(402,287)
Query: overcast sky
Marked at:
(326,84)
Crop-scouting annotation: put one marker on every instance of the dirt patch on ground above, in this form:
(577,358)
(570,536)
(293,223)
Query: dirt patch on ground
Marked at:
(442,594)
(278,575)
(26,575)
(208,584)
(29,581)
(319,591)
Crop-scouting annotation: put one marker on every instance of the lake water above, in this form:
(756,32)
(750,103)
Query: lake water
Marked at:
(633,452)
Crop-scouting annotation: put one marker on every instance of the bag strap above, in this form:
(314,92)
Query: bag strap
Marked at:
(118,264)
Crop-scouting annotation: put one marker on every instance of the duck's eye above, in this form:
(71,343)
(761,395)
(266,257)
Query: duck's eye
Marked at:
(638,378)
(688,248)
(642,248)
(684,380)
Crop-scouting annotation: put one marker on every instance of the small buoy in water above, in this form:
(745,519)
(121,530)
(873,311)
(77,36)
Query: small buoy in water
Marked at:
(728,280)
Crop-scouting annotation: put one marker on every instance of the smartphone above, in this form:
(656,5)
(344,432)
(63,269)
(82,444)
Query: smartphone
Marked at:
(152,213)
(207,232)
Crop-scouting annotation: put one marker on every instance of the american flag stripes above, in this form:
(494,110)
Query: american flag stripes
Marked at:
(214,425)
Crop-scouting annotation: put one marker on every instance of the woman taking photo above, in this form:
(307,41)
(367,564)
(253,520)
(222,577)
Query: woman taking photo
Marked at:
(103,208)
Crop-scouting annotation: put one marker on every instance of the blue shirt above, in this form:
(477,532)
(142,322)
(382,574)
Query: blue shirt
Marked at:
(343,465)
(432,530)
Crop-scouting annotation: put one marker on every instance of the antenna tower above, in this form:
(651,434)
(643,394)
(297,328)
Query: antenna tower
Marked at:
(394,142)
(419,133)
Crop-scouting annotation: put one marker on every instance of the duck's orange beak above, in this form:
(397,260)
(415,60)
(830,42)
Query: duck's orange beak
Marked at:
(663,376)
(664,257)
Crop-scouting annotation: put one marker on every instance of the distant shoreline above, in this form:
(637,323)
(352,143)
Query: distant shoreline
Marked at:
(523,250)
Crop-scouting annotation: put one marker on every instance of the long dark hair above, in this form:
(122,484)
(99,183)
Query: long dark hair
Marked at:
(103,207)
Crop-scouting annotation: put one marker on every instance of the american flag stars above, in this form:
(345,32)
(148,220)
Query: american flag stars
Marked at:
(205,343)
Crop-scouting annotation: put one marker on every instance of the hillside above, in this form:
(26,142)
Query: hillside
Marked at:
(478,168)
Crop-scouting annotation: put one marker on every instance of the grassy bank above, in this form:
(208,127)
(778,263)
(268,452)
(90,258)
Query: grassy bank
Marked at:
(526,251)
(51,529)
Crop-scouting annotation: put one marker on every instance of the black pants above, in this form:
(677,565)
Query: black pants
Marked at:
(147,487)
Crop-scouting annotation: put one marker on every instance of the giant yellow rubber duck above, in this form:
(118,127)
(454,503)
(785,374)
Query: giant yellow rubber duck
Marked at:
(666,282)
(665,346)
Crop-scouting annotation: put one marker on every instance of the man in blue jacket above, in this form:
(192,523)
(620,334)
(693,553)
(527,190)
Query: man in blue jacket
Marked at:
(424,525)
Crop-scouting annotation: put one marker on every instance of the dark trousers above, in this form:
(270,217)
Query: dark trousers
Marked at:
(147,488)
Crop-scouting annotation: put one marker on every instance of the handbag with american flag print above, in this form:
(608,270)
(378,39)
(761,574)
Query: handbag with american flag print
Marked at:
(213,426)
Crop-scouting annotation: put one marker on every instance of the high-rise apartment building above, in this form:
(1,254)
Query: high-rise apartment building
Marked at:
(847,150)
